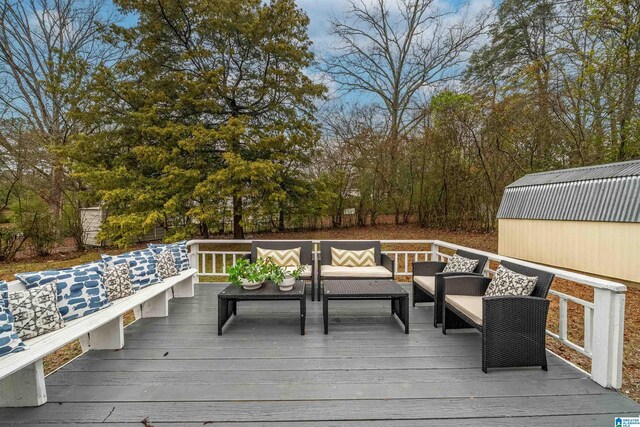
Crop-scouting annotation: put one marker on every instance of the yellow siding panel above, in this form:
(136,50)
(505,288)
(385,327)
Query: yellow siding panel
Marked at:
(610,249)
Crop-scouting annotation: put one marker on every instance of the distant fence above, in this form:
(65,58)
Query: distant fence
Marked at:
(603,319)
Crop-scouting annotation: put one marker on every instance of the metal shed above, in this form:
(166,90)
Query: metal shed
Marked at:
(585,219)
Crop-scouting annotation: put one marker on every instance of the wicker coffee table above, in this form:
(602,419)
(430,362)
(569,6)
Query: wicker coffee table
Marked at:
(367,290)
(229,297)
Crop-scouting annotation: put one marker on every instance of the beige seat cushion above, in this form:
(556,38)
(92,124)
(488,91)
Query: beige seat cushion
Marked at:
(428,283)
(373,272)
(306,273)
(470,306)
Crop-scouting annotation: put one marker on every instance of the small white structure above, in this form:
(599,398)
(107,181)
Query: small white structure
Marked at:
(92,219)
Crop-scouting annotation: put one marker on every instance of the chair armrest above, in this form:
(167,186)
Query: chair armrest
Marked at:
(515,313)
(428,268)
(387,263)
(475,285)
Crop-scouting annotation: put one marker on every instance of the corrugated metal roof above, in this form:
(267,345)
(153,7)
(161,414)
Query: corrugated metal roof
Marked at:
(596,193)
(611,170)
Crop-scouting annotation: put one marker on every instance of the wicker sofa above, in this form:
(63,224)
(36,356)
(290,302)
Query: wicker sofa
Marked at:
(427,281)
(383,269)
(306,256)
(513,327)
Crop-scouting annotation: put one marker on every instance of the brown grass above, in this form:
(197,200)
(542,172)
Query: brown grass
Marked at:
(482,241)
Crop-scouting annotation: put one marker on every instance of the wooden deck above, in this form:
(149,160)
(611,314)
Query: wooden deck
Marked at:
(366,372)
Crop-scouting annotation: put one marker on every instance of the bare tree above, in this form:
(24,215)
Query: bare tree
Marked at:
(394,49)
(48,50)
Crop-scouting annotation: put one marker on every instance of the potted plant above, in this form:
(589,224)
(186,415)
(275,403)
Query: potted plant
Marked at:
(285,279)
(248,275)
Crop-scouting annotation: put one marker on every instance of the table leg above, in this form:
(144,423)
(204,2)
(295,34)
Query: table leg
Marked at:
(405,314)
(313,289)
(325,314)
(235,307)
(222,313)
(303,313)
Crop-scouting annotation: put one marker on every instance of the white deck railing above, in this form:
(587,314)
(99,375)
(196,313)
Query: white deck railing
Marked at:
(603,319)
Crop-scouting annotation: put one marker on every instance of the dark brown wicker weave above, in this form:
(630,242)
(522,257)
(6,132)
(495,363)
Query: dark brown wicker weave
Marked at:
(434,268)
(361,289)
(359,245)
(513,329)
(229,297)
(306,255)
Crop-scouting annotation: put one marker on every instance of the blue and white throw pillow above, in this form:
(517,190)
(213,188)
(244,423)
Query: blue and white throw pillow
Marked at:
(10,342)
(178,250)
(142,267)
(80,289)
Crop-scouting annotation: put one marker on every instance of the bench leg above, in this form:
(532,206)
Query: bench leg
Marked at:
(24,388)
(184,289)
(157,306)
(109,336)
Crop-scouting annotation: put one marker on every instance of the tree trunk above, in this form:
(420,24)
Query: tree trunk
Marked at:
(238,232)
(281,220)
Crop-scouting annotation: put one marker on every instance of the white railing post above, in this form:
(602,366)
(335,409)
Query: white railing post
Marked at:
(608,337)
(194,259)
(434,252)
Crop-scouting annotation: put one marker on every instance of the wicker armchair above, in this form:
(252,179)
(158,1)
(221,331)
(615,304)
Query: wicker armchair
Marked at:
(513,327)
(306,256)
(384,264)
(427,281)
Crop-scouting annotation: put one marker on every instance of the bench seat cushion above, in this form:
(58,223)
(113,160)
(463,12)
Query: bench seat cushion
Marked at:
(470,306)
(377,272)
(428,283)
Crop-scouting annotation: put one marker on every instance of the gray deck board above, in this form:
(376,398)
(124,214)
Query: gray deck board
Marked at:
(261,372)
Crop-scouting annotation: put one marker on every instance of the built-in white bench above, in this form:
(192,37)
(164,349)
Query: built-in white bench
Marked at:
(22,380)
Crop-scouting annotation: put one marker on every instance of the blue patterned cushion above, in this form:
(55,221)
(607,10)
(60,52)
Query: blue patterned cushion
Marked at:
(10,342)
(179,252)
(80,289)
(142,267)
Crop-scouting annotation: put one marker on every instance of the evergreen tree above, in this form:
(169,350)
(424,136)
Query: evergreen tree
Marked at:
(211,108)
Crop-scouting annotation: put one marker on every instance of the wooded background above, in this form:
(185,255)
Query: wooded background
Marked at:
(217,116)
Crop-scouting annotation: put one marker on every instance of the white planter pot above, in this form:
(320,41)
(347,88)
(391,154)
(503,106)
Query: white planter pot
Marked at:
(250,286)
(287,284)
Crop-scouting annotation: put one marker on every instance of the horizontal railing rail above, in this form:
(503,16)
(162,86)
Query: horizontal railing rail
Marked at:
(603,320)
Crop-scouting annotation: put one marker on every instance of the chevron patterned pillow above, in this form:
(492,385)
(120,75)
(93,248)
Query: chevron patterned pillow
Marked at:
(347,258)
(282,257)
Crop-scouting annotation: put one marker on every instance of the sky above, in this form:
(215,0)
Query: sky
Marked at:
(321,12)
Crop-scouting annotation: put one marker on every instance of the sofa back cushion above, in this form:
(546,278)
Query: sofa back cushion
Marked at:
(36,311)
(282,257)
(506,282)
(10,342)
(178,250)
(80,289)
(142,266)
(349,258)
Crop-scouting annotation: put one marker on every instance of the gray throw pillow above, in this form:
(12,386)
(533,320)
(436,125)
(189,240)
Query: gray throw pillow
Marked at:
(117,281)
(507,282)
(36,311)
(458,264)
(166,265)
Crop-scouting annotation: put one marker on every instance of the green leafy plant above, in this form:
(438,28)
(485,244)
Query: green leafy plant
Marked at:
(277,274)
(255,272)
